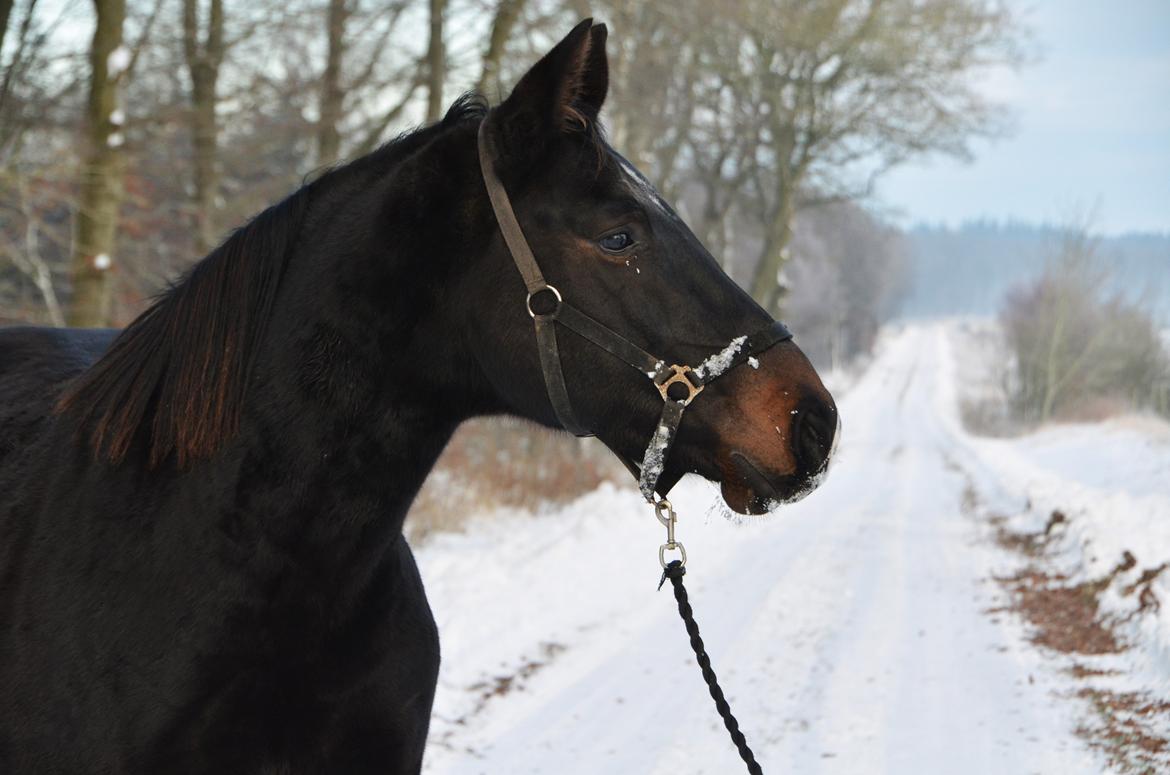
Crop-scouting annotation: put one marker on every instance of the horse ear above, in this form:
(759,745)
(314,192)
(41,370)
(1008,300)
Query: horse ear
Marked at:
(563,92)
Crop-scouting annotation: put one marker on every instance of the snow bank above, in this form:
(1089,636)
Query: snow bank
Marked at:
(1111,481)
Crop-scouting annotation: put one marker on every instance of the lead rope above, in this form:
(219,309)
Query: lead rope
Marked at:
(675,570)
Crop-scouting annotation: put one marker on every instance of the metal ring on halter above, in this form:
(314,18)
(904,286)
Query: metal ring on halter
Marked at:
(679,377)
(555,292)
(682,553)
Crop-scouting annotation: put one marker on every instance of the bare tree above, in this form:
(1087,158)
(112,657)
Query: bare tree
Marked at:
(352,35)
(1075,344)
(5,12)
(101,188)
(203,51)
(850,270)
(842,83)
(332,89)
(436,61)
(769,106)
(26,253)
(503,22)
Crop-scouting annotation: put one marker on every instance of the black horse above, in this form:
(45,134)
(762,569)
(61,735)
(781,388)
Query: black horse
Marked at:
(202,566)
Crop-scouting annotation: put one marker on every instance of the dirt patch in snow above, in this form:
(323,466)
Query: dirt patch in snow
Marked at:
(1128,728)
(1064,617)
(495,686)
(1125,728)
(505,683)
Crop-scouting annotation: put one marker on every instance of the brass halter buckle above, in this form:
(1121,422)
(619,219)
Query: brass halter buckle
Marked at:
(679,376)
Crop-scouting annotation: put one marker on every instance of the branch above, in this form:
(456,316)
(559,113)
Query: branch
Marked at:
(374,134)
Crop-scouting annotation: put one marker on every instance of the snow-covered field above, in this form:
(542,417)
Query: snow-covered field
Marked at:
(850,631)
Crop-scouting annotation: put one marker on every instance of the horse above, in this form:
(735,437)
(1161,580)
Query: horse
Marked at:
(202,562)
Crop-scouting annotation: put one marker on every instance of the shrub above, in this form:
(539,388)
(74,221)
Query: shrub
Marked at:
(1080,352)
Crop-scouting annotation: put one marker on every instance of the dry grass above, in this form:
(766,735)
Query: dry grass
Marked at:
(492,464)
(1126,728)
(1064,617)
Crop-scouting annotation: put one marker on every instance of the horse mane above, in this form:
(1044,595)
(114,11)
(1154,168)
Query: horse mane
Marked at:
(180,369)
(179,372)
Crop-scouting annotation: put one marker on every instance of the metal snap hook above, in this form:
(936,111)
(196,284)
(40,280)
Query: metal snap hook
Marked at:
(664,512)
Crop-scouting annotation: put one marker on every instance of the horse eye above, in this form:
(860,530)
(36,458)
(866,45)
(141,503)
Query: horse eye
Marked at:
(616,243)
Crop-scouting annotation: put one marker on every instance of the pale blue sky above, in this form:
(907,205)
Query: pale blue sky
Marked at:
(1092,128)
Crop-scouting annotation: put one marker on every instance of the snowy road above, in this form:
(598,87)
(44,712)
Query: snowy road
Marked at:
(848,630)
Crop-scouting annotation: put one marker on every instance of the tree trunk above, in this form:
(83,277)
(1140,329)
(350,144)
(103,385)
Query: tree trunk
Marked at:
(766,287)
(507,14)
(100,195)
(203,61)
(436,63)
(5,12)
(332,91)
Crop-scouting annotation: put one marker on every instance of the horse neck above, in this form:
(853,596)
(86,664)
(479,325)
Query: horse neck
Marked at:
(362,379)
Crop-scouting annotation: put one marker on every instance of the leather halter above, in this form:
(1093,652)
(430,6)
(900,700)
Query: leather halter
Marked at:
(678,384)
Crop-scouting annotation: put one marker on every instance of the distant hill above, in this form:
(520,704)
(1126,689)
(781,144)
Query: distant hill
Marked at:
(967,271)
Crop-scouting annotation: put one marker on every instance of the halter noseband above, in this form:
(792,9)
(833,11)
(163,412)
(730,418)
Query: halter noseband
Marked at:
(678,385)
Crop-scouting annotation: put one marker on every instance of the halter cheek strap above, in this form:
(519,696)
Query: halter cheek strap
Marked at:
(678,385)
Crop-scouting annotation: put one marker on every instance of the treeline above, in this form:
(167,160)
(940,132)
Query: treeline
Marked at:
(135,133)
(969,270)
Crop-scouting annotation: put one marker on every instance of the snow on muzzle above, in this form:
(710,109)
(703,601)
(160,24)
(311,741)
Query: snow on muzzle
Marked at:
(778,434)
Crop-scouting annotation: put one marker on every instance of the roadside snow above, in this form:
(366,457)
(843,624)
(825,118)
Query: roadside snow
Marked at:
(1112,483)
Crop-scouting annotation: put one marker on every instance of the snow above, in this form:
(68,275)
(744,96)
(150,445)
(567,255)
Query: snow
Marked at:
(117,62)
(720,362)
(118,117)
(115,140)
(849,631)
(654,460)
(101,262)
(1113,484)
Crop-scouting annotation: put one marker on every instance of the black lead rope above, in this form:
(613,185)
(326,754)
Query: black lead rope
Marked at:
(675,572)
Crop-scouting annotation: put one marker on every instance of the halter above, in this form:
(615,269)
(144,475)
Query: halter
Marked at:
(678,384)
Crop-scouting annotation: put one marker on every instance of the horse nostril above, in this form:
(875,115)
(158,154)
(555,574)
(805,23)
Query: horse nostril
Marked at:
(816,424)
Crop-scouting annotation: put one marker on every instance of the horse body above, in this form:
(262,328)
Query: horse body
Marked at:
(284,626)
(255,611)
(202,566)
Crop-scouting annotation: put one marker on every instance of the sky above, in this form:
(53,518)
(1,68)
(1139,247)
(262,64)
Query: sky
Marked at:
(1091,128)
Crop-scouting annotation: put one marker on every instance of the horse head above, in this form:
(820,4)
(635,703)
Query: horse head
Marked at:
(611,250)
